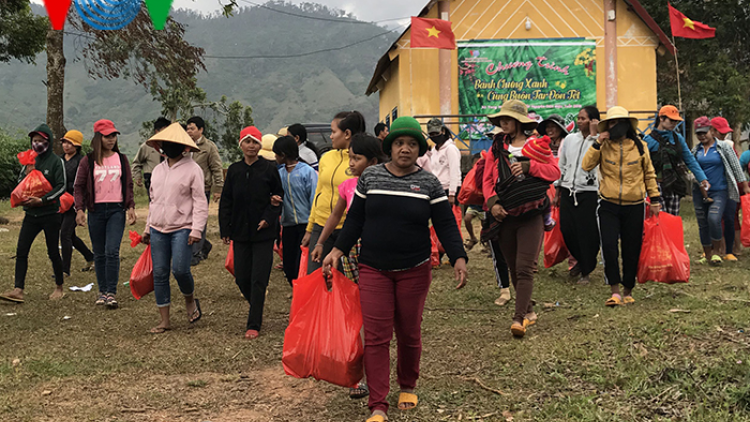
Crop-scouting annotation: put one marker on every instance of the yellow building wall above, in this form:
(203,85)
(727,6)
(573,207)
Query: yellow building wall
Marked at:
(489,19)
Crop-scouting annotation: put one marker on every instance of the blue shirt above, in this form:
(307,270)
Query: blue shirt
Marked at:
(687,157)
(299,193)
(745,160)
(713,166)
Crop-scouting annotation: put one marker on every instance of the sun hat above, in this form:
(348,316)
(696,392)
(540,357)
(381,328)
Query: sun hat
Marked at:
(435,125)
(721,125)
(105,127)
(173,133)
(283,131)
(405,126)
(74,137)
(617,112)
(253,133)
(42,130)
(670,112)
(538,149)
(515,110)
(702,124)
(267,142)
(554,119)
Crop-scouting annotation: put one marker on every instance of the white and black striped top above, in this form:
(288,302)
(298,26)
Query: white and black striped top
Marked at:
(391,215)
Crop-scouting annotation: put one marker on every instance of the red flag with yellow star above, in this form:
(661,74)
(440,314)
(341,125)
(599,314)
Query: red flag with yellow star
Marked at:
(684,27)
(432,33)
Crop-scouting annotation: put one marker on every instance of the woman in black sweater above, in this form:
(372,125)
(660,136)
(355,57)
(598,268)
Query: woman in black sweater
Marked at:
(392,207)
(249,219)
(71,145)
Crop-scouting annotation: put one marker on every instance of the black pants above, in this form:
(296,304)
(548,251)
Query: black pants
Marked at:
(501,267)
(327,246)
(30,228)
(252,269)
(579,227)
(291,238)
(69,240)
(623,223)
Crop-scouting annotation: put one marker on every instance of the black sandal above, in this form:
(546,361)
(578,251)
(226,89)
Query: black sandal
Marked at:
(359,392)
(198,310)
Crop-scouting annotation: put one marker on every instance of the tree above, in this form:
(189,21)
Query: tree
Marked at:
(714,73)
(21,32)
(155,59)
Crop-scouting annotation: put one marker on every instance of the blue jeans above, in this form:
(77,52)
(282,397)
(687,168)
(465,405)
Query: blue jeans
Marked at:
(730,209)
(106,226)
(166,247)
(709,215)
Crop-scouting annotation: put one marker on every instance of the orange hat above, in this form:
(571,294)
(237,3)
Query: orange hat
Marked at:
(670,112)
(538,149)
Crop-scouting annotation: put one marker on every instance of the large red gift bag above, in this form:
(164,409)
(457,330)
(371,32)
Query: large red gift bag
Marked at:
(34,185)
(555,250)
(322,340)
(663,255)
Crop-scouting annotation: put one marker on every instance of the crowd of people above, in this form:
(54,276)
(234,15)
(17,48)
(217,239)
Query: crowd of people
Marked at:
(369,205)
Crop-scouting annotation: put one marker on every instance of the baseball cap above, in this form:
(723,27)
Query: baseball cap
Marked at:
(105,127)
(721,125)
(702,124)
(670,112)
(435,125)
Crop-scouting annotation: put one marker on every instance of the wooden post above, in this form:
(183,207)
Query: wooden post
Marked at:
(610,52)
(677,68)
(445,59)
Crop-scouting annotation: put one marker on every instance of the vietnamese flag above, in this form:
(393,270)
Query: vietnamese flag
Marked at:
(432,33)
(684,27)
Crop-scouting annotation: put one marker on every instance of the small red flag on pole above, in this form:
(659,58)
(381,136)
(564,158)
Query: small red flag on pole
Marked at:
(432,33)
(684,27)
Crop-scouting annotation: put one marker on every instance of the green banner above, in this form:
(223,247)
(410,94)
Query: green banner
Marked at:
(550,76)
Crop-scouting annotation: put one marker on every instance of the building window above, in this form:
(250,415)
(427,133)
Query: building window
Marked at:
(388,120)
(394,114)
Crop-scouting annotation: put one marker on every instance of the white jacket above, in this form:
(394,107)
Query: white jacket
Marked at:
(570,156)
(446,165)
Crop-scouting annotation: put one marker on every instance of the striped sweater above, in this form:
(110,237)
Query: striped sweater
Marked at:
(391,214)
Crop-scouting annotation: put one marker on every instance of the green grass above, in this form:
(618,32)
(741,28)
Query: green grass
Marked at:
(581,362)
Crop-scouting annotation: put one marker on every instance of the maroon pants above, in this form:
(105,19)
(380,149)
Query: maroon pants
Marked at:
(520,242)
(392,300)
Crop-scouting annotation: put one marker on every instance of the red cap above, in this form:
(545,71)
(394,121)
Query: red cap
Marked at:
(253,133)
(538,149)
(701,124)
(721,125)
(105,127)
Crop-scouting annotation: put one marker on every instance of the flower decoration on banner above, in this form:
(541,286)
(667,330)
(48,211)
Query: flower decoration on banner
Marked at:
(587,59)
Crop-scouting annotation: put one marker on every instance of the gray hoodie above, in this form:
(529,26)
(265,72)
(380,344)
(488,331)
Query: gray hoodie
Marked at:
(570,156)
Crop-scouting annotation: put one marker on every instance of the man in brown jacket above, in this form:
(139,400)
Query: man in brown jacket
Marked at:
(209,160)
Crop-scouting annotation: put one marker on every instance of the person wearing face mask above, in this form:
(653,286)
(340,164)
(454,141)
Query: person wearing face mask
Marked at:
(672,158)
(627,176)
(176,217)
(249,218)
(104,188)
(41,214)
(445,159)
(334,169)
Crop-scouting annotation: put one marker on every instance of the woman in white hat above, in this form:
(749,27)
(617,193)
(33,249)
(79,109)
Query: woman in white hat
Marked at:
(515,189)
(249,218)
(627,176)
(176,217)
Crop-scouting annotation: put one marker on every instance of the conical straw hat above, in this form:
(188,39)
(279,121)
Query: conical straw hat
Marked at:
(174,133)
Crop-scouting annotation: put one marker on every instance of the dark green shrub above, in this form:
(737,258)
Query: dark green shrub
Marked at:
(9,167)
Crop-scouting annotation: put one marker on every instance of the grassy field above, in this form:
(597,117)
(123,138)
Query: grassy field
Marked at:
(679,354)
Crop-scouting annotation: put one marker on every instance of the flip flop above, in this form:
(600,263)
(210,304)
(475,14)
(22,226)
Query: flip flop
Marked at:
(405,399)
(197,309)
(359,392)
(628,300)
(11,299)
(251,334)
(518,330)
(376,418)
(613,301)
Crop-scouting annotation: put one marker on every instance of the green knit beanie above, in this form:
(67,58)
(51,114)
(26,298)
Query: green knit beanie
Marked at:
(405,126)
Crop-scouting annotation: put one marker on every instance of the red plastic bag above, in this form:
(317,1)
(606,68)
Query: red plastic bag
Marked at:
(470,193)
(745,227)
(303,258)
(555,250)
(278,247)
(66,201)
(459,219)
(322,340)
(229,262)
(142,277)
(663,255)
(434,250)
(34,185)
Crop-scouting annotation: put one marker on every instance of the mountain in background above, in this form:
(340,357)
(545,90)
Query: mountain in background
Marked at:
(285,87)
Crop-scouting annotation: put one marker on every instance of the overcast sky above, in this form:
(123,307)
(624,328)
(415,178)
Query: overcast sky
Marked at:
(368,10)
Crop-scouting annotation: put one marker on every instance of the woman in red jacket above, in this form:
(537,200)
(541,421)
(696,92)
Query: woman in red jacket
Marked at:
(515,190)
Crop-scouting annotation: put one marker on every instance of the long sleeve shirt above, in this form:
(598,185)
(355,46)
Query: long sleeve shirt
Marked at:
(209,160)
(178,200)
(299,193)
(445,163)
(145,161)
(687,156)
(391,214)
(246,201)
(53,169)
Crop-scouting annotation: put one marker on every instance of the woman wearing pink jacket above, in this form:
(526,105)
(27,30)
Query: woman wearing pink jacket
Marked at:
(177,215)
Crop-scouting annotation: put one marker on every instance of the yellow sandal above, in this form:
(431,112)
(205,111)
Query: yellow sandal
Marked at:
(613,301)
(405,399)
(376,418)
